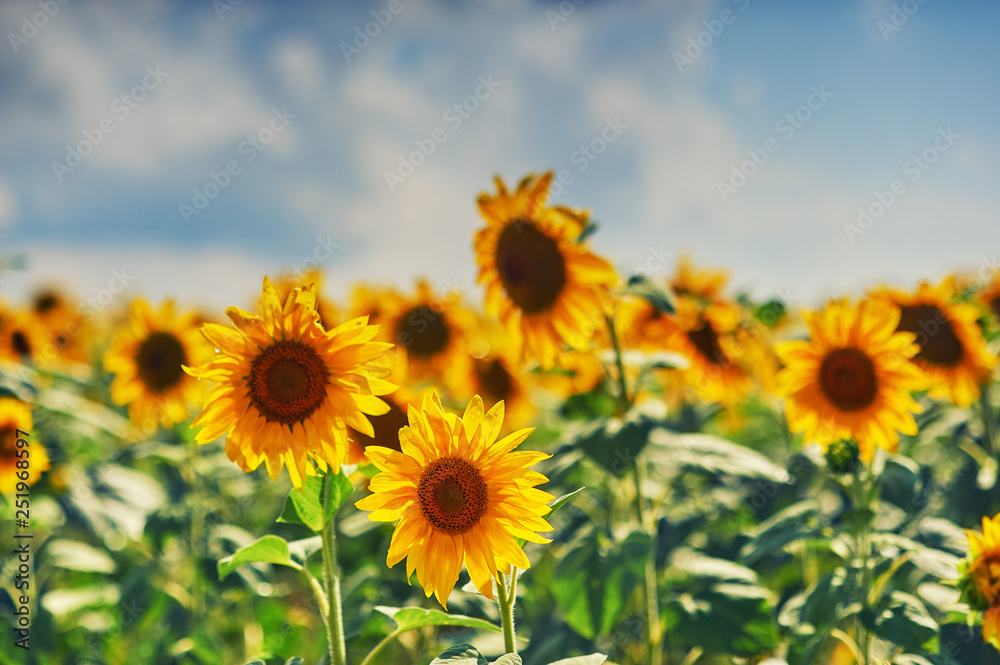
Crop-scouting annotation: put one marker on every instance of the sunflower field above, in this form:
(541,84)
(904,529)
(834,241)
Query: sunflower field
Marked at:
(583,467)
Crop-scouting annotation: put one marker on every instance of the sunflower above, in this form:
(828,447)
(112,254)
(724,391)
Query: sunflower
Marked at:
(979,577)
(288,389)
(16,415)
(457,495)
(701,284)
(329,314)
(541,281)
(853,377)
(575,372)
(431,336)
(148,356)
(23,338)
(367,300)
(495,375)
(710,338)
(63,326)
(952,352)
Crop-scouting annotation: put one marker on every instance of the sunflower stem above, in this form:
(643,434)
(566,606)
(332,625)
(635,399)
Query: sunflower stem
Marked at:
(989,423)
(506,595)
(623,398)
(197,533)
(652,592)
(331,577)
(863,500)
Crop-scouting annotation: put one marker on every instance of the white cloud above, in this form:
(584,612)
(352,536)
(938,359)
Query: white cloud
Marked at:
(203,101)
(208,277)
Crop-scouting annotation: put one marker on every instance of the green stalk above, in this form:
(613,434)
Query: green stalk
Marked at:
(862,499)
(989,423)
(652,592)
(197,533)
(505,599)
(623,398)
(331,578)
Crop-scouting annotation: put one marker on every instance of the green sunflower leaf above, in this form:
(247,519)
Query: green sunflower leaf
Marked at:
(310,507)
(645,288)
(340,490)
(269,549)
(556,505)
(460,654)
(408,618)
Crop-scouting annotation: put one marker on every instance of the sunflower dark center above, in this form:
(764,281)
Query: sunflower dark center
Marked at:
(159,361)
(494,379)
(46,302)
(452,495)
(939,345)
(995,305)
(8,441)
(531,267)
(386,428)
(705,339)
(19,342)
(423,331)
(847,378)
(287,382)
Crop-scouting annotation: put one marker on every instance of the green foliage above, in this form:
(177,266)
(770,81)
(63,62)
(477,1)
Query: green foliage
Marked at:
(268,549)
(311,506)
(591,603)
(645,288)
(410,618)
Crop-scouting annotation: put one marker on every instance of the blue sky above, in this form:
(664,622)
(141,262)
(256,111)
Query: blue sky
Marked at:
(320,181)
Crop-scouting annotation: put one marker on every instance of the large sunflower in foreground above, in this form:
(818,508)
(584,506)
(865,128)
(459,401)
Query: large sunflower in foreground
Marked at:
(543,283)
(288,389)
(457,494)
(852,378)
(16,415)
(952,352)
(979,577)
(148,356)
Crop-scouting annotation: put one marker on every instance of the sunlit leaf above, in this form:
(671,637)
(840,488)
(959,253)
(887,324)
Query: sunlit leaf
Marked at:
(269,549)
